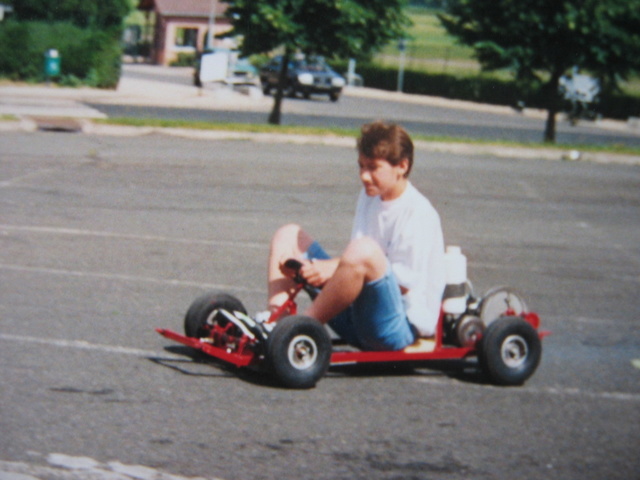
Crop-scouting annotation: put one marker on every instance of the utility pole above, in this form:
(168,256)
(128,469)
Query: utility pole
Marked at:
(212,22)
(402,46)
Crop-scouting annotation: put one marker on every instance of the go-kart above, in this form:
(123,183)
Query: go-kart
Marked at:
(496,328)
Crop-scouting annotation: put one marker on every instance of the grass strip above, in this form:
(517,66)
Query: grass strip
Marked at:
(342,132)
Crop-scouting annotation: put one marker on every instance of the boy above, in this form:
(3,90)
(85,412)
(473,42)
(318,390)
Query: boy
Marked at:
(386,288)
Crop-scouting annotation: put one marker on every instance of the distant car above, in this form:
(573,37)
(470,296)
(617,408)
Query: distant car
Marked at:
(304,76)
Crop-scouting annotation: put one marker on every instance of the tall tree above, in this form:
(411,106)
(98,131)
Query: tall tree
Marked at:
(541,40)
(331,28)
(83,13)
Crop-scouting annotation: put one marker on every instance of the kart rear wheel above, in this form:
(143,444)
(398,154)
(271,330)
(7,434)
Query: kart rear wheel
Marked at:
(195,321)
(509,351)
(298,351)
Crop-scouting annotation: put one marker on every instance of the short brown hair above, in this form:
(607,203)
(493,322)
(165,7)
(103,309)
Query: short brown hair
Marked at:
(388,141)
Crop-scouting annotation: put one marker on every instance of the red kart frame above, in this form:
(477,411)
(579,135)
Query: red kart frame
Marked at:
(236,343)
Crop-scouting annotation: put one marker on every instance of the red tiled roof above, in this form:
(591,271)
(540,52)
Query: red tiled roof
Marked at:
(183,8)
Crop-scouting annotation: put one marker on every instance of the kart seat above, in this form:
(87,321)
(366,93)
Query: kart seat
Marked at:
(421,345)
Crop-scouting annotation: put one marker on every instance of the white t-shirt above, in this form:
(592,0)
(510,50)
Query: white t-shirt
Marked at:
(409,232)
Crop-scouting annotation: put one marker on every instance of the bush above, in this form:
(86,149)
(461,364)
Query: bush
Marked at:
(184,60)
(89,56)
(480,88)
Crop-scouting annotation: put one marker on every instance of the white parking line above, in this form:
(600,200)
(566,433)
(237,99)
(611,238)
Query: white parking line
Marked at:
(82,345)
(125,278)
(119,350)
(555,391)
(67,467)
(128,236)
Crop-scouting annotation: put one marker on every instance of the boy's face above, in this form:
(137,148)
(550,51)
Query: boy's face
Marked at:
(379,177)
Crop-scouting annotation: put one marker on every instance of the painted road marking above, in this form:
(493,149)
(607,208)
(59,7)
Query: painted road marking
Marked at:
(130,236)
(126,278)
(83,345)
(636,363)
(66,467)
(555,391)
(119,350)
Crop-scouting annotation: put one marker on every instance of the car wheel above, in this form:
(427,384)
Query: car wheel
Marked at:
(197,323)
(510,351)
(334,96)
(298,351)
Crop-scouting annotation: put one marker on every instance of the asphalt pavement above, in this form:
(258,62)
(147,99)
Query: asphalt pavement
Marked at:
(107,235)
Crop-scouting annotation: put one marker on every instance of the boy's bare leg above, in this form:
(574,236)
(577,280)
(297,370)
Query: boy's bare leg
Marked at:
(362,262)
(289,241)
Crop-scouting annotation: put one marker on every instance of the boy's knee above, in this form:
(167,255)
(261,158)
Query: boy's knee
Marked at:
(290,232)
(365,253)
(291,239)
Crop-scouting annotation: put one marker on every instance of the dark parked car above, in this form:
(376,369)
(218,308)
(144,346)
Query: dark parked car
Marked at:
(304,77)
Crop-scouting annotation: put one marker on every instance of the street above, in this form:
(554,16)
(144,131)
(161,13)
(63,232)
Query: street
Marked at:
(104,238)
(420,115)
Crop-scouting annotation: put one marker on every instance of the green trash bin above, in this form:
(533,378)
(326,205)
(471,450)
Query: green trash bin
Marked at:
(51,63)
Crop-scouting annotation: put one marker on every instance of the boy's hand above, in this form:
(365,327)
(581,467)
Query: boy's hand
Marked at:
(315,272)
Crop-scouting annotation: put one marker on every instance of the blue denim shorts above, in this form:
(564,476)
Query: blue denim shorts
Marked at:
(377,319)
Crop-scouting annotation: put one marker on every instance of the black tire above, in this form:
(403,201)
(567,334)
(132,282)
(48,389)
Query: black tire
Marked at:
(334,96)
(510,351)
(298,351)
(195,321)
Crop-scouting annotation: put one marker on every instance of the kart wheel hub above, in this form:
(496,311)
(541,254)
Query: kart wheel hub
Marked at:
(302,352)
(514,351)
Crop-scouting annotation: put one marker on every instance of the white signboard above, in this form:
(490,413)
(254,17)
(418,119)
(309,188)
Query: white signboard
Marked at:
(214,67)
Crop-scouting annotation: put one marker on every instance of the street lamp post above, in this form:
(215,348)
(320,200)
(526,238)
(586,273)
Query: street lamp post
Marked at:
(402,46)
(212,21)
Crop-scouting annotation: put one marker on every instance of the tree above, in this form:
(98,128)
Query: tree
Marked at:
(330,28)
(541,40)
(83,13)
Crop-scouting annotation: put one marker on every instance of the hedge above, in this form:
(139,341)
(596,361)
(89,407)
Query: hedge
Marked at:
(90,57)
(481,89)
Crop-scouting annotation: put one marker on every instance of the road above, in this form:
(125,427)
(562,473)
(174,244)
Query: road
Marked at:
(353,109)
(105,238)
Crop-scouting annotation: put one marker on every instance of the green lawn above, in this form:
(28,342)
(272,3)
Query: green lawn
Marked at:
(433,50)
(430,47)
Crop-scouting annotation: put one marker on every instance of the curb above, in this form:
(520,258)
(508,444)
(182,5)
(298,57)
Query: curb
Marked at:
(88,127)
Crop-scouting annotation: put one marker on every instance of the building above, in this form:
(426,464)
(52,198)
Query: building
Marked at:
(4,10)
(181,26)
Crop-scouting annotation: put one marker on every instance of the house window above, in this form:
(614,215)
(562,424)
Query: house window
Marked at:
(186,37)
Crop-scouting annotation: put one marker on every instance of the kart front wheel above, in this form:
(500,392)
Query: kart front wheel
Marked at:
(298,351)
(510,351)
(197,323)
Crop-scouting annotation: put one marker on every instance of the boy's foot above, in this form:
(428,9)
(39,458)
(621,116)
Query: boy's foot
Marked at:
(262,317)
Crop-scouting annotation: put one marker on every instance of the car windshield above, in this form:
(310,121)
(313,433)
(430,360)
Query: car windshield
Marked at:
(313,66)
